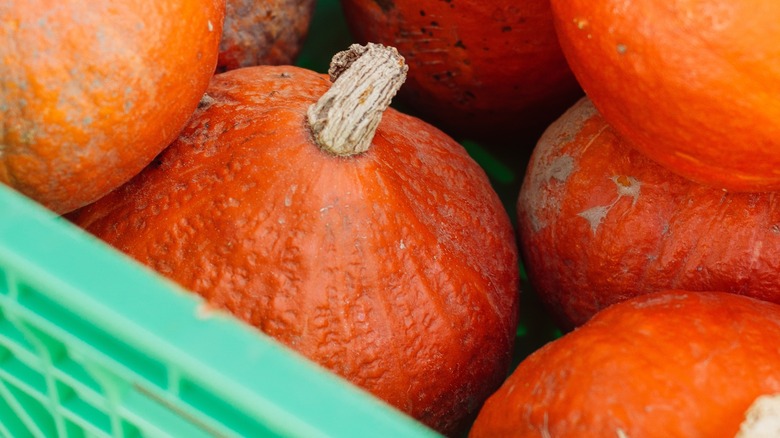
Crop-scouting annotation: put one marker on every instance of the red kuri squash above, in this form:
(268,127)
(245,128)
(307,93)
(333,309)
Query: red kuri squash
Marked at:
(668,364)
(91,93)
(599,222)
(485,70)
(390,261)
(694,85)
(262,32)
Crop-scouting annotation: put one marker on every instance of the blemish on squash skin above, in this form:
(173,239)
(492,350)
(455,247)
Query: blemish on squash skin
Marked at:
(385,5)
(663,299)
(595,215)
(625,186)
(206,101)
(288,197)
(27,137)
(560,168)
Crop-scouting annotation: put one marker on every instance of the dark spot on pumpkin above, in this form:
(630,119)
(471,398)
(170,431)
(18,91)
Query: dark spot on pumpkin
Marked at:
(466,97)
(434,23)
(285,75)
(422,13)
(385,5)
(436,76)
(156,163)
(506,28)
(206,101)
(460,44)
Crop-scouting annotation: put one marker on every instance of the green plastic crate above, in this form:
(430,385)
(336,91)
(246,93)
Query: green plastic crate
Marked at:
(93,344)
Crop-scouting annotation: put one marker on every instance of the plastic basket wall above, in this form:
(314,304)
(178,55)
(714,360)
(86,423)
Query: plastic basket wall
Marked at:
(94,345)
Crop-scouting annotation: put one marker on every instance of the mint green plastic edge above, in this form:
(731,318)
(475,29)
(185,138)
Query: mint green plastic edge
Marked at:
(250,372)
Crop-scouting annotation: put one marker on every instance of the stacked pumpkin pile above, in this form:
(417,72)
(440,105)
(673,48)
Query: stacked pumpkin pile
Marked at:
(649,224)
(371,242)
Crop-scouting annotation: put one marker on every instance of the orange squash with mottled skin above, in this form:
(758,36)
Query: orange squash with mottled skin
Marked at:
(485,70)
(668,364)
(90,93)
(694,85)
(263,32)
(599,222)
(395,268)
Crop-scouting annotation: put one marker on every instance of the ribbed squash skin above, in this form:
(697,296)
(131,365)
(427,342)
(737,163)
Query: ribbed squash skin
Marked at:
(395,268)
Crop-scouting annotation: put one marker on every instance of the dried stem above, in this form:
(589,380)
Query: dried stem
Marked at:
(365,80)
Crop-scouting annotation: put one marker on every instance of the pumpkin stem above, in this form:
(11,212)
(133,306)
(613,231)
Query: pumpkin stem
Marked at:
(365,80)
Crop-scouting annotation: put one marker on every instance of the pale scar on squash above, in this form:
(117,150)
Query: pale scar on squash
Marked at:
(539,199)
(560,169)
(288,198)
(582,24)
(626,186)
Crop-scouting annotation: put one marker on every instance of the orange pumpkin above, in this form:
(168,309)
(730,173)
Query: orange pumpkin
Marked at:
(669,364)
(393,264)
(694,85)
(599,222)
(89,94)
(484,70)
(259,32)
